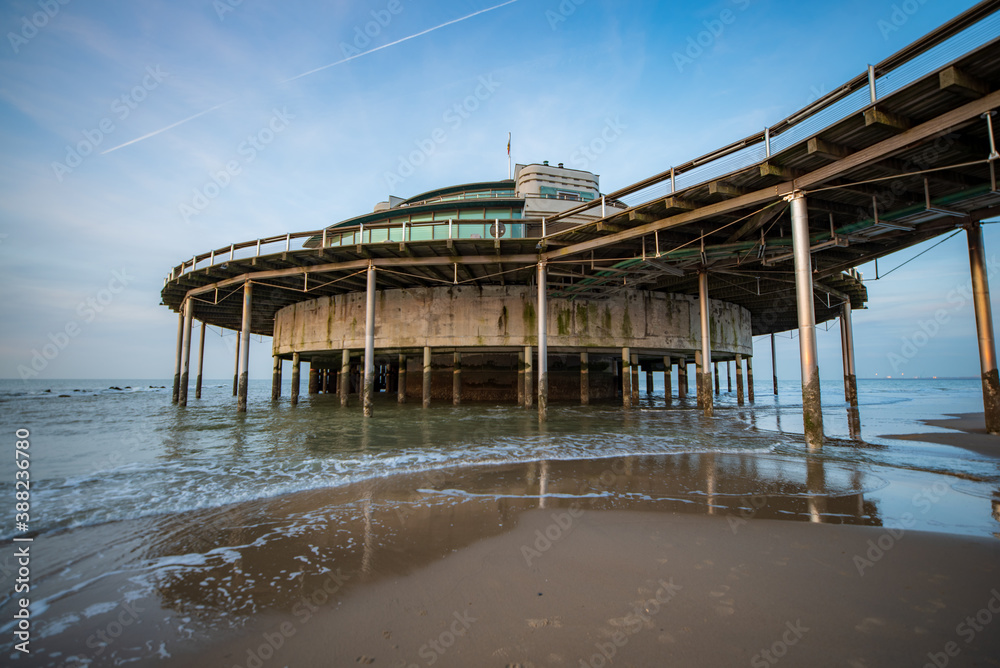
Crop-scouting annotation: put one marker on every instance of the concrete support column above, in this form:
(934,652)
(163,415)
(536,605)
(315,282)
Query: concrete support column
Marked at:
(529,388)
(774,365)
(729,377)
(649,379)
(543,344)
(584,379)
(427,377)
(369,377)
(682,377)
(626,378)
(401,380)
(750,378)
(718,385)
(236,366)
(984,328)
(275,378)
(241,397)
(812,411)
(739,379)
(456,379)
(182,398)
(344,379)
(296,375)
(177,356)
(706,345)
(201,362)
(667,390)
(313,378)
(520,378)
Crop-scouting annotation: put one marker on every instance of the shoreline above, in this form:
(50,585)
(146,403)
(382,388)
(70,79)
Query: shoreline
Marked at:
(966,430)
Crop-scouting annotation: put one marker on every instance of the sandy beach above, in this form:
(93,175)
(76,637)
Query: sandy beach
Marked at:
(967,430)
(694,560)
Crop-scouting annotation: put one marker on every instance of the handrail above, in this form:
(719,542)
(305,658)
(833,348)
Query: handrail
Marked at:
(982,18)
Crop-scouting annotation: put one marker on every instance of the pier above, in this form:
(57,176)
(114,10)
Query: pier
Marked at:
(541,288)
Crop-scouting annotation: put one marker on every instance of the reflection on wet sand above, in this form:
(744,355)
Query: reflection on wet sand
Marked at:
(273,551)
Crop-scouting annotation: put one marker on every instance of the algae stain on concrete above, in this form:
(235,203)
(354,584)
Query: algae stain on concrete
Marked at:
(626,324)
(583,318)
(563,321)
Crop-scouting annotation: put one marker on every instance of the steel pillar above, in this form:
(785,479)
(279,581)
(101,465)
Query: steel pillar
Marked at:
(635,380)
(369,377)
(529,390)
(774,365)
(275,378)
(401,380)
(520,378)
(236,364)
(177,356)
(739,379)
(182,398)
(296,375)
(705,389)
(344,379)
(201,362)
(241,397)
(426,392)
(847,343)
(812,411)
(667,390)
(543,344)
(626,378)
(984,328)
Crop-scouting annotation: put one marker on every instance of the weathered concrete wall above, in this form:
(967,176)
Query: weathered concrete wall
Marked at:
(501,317)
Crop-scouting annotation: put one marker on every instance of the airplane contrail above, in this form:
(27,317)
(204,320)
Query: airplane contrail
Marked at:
(313,71)
(172,125)
(399,41)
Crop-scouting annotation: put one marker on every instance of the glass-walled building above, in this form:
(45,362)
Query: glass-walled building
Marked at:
(482,210)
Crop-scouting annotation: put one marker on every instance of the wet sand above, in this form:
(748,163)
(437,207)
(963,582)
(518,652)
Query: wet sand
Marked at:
(695,559)
(969,432)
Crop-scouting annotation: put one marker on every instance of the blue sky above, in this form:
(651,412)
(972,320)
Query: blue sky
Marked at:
(86,240)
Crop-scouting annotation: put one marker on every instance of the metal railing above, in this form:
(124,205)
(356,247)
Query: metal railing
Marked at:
(973,29)
(452,229)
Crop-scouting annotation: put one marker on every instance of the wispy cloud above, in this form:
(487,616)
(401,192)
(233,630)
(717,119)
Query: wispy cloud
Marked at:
(313,71)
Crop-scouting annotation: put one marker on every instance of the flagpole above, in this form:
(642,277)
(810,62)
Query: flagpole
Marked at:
(508,157)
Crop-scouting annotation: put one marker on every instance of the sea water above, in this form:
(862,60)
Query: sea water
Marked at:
(119,475)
